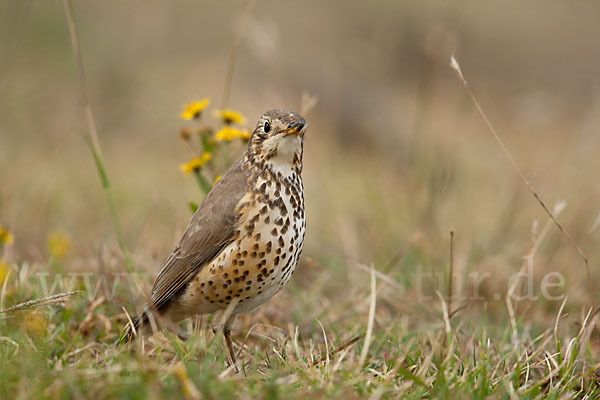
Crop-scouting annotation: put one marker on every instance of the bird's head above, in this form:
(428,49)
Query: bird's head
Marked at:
(277,140)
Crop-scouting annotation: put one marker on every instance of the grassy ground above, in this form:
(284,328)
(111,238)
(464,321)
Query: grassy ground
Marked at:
(396,158)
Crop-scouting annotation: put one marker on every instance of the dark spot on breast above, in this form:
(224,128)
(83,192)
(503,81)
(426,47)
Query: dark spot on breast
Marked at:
(267,219)
(236,271)
(264,209)
(257,237)
(210,283)
(269,246)
(228,298)
(281,241)
(253,254)
(276,261)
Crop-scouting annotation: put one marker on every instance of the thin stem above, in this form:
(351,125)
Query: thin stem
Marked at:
(233,55)
(202,182)
(92,136)
(456,67)
(451,277)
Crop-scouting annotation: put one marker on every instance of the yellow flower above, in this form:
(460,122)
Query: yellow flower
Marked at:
(194,109)
(230,116)
(245,134)
(35,323)
(58,244)
(187,386)
(5,236)
(195,163)
(217,179)
(227,134)
(4,271)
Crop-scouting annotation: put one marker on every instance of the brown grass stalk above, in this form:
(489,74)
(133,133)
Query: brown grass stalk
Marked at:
(456,67)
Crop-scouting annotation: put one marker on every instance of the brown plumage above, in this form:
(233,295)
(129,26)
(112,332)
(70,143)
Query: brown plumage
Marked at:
(243,243)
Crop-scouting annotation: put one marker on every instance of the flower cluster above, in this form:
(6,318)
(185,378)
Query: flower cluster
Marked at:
(5,236)
(210,145)
(195,163)
(58,244)
(194,109)
(4,271)
(227,134)
(230,117)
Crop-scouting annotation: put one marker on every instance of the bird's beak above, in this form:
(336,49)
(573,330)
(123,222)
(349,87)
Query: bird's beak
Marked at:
(295,128)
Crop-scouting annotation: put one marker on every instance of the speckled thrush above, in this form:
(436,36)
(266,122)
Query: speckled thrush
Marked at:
(243,243)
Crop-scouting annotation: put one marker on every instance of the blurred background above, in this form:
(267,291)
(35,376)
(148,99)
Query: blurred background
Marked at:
(396,156)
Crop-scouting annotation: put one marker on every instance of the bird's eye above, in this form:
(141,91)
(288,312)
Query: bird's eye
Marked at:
(267,127)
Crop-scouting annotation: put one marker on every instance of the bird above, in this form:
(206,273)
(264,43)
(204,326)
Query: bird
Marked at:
(243,243)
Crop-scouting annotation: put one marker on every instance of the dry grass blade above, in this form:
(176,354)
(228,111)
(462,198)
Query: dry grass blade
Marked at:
(373,301)
(456,67)
(130,321)
(233,55)
(92,137)
(451,273)
(44,301)
(335,351)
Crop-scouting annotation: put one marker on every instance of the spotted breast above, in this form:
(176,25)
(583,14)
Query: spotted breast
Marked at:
(260,261)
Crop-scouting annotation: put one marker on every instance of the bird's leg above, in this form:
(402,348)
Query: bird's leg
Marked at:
(227,335)
(229,343)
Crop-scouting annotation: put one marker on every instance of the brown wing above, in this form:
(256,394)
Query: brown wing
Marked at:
(209,231)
